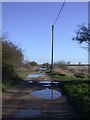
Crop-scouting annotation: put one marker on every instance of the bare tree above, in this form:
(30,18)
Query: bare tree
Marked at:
(83,36)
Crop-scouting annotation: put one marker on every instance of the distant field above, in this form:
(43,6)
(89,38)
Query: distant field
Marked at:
(79,68)
(71,69)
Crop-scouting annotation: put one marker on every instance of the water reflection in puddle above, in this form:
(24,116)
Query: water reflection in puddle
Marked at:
(28,113)
(30,81)
(35,75)
(56,82)
(49,83)
(47,93)
(45,82)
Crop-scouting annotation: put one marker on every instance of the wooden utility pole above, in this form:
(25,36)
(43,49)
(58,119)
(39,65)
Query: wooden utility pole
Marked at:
(52,47)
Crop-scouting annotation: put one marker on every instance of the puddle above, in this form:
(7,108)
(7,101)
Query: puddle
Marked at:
(35,75)
(45,82)
(47,93)
(56,82)
(30,81)
(43,69)
(48,83)
(28,113)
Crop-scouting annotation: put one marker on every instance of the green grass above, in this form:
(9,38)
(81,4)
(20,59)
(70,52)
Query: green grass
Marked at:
(34,71)
(10,83)
(14,81)
(77,89)
(23,74)
(64,77)
(78,93)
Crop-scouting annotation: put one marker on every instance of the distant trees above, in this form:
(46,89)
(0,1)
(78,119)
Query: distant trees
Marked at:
(68,63)
(79,63)
(33,63)
(46,65)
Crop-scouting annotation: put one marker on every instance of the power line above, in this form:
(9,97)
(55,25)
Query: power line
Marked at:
(53,34)
(59,12)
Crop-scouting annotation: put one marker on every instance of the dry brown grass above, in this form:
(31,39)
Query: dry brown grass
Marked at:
(70,70)
(63,71)
(78,69)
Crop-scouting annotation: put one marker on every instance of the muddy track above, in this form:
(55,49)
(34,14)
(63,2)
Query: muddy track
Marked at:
(19,101)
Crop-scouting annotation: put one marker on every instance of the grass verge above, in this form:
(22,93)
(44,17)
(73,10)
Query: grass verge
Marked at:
(77,89)
(64,77)
(14,81)
(79,93)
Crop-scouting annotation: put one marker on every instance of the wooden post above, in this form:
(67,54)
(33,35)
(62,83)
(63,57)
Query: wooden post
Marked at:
(52,47)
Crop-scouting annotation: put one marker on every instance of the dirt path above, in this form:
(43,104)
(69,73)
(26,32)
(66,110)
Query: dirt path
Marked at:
(19,101)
